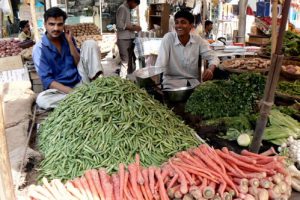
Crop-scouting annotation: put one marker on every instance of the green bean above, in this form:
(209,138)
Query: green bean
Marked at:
(105,123)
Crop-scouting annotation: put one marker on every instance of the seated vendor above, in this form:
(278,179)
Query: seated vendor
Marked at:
(58,61)
(179,54)
(25,33)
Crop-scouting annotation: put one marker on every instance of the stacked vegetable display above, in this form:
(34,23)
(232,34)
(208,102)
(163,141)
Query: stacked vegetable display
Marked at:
(105,123)
(227,98)
(291,45)
(83,29)
(199,173)
(9,48)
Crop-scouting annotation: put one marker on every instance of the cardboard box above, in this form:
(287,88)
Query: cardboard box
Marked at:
(11,63)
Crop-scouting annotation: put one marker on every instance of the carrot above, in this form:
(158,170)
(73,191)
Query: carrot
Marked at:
(143,189)
(230,158)
(243,189)
(228,196)
(187,197)
(77,183)
(126,187)
(162,190)
(237,169)
(151,179)
(269,152)
(195,192)
(133,180)
(254,182)
(95,177)
(171,191)
(116,186)
(131,190)
(106,184)
(183,181)
(221,189)
(212,155)
(75,192)
(241,181)
(208,192)
(264,183)
(89,177)
(198,171)
(260,175)
(210,163)
(122,177)
(173,181)
(243,158)
(86,187)
(165,171)
(224,176)
(146,179)
(140,179)
(186,174)
(203,184)
(263,194)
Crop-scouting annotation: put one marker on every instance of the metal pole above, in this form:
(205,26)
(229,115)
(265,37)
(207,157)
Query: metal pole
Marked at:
(242,20)
(6,183)
(271,83)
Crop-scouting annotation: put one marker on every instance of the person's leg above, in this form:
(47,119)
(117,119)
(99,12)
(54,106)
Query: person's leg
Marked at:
(89,66)
(131,58)
(123,46)
(50,99)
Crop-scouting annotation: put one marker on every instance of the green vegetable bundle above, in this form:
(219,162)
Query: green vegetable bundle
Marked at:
(281,127)
(291,45)
(289,88)
(105,123)
(227,98)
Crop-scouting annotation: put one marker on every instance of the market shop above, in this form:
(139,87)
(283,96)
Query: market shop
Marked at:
(233,137)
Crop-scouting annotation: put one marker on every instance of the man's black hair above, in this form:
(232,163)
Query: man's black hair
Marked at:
(185,14)
(207,23)
(55,12)
(22,24)
(135,1)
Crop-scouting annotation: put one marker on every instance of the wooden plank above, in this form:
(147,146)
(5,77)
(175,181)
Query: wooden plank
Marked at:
(10,63)
(6,183)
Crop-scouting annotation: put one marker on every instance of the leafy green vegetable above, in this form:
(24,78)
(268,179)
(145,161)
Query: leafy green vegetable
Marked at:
(291,45)
(290,88)
(227,98)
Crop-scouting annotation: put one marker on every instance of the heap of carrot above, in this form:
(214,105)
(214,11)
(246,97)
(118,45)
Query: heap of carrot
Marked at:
(198,173)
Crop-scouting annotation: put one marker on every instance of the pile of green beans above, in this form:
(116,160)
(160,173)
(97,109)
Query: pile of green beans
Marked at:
(105,123)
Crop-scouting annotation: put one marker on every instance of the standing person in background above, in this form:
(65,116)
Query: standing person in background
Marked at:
(207,30)
(125,36)
(25,33)
(59,63)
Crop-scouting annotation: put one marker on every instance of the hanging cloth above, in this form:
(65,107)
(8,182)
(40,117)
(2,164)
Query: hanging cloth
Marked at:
(198,6)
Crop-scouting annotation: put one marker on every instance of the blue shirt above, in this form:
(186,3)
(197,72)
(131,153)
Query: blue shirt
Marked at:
(54,66)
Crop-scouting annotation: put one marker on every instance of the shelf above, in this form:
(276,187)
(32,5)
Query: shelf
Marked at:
(155,16)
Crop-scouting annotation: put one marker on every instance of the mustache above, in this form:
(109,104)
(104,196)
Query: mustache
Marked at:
(56,32)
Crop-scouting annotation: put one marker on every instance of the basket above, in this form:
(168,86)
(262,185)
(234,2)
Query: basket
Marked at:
(287,96)
(288,75)
(225,66)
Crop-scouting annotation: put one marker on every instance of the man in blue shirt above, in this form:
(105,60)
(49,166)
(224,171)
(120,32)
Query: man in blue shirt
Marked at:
(59,63)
